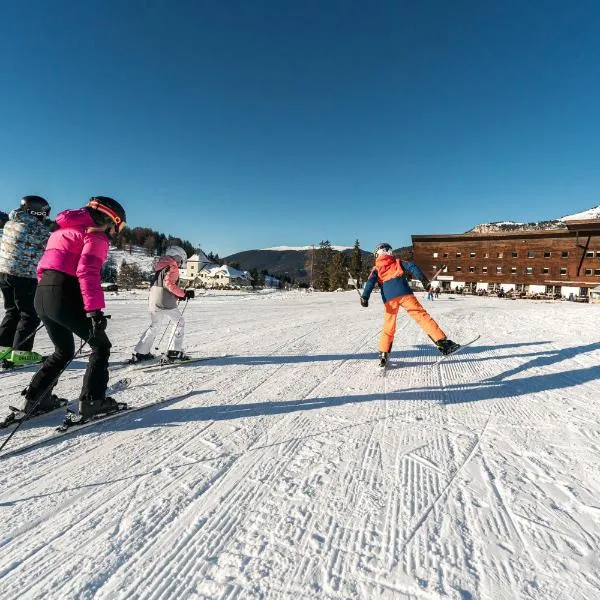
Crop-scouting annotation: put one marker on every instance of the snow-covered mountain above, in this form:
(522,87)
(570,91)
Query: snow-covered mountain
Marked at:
(303,248)
(592,213)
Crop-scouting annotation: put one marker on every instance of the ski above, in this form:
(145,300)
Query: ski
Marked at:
(458,350)
(75,428)
(8,367)
(164,364)
(75,425)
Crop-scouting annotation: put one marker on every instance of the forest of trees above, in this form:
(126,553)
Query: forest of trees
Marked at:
(329,268)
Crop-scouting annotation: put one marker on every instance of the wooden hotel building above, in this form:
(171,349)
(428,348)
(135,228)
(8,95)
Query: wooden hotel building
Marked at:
(563,261)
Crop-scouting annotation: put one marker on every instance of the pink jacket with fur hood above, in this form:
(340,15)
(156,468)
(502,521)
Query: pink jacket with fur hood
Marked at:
(79,250)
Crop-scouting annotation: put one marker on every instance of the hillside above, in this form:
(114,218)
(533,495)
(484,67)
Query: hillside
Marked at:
(592,213)
(286,261)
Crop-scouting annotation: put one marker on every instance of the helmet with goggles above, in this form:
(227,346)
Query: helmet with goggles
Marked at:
(107,212)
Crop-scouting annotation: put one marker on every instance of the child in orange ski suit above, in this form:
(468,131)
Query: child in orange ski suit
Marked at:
(389,273)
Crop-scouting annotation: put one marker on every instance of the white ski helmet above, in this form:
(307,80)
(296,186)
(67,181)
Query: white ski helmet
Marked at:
(178,253)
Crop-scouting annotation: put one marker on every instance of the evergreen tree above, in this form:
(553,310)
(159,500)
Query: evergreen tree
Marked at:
(130,276)
(356,263)
(109,270)
(338,275)
(322,260)
(254,275)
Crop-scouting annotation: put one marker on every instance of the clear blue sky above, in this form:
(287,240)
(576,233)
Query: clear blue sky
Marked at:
(245,124)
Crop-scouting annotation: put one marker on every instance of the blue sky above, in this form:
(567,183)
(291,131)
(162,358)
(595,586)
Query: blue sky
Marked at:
(243,125)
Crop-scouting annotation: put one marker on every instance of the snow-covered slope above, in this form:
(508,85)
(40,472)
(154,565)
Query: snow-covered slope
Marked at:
(290,470)
(592,213)
(137,256)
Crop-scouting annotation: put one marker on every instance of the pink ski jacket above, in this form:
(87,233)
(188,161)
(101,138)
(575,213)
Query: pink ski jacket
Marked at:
(165,289)
(78,249)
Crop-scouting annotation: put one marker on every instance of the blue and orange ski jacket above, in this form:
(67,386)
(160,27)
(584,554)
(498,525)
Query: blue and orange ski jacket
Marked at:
(389,273)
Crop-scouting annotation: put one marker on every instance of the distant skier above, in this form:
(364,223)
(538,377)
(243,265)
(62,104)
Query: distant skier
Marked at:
(389,273)
(69,300)
(162,303)
(22,244)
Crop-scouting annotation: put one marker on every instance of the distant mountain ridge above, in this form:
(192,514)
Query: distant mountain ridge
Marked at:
(294,261)
(592,213)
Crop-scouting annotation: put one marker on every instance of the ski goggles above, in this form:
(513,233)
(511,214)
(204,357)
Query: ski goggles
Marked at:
(119,224)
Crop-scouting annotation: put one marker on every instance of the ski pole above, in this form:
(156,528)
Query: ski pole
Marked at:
(7,352)
(355,282)
(162,336)
(438,272)
(46,389)
(177,324)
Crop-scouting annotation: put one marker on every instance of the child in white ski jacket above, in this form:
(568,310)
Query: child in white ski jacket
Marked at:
(164,296)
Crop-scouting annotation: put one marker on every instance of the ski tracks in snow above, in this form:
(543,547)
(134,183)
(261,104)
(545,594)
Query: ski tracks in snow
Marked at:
(290,470)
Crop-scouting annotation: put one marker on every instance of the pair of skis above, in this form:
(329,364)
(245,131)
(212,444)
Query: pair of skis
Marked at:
(384,366)
(73,422)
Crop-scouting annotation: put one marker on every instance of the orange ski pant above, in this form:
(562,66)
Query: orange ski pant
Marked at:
(414,309)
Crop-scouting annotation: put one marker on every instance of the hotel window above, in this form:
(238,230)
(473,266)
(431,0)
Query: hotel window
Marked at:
(545,270)
(499,254)
(484,269)
(471,269)
(472,254)
(498,269)
(435,255)
(589,254)
(486,255)
(458,269)
(434,268)
(515,255)
(458,254)
(564,254)
(529,271)
(445,255)
(588,271)
(563,270)
(530,254)
(596,271)
(547,254)
(597,253)
(513,270)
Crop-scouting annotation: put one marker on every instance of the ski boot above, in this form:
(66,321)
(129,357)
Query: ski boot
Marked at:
(383,358)
(177,356)
(137,357)
(446,346)
(32,408)
(22,358)
(90,408)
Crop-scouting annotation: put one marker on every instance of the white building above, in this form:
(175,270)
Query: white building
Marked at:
(201,272)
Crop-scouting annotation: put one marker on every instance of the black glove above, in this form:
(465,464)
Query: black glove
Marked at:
(189,294)
(364,302)
(99,321)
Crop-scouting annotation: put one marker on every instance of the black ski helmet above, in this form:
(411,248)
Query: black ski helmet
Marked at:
(36,206)
(106,211)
